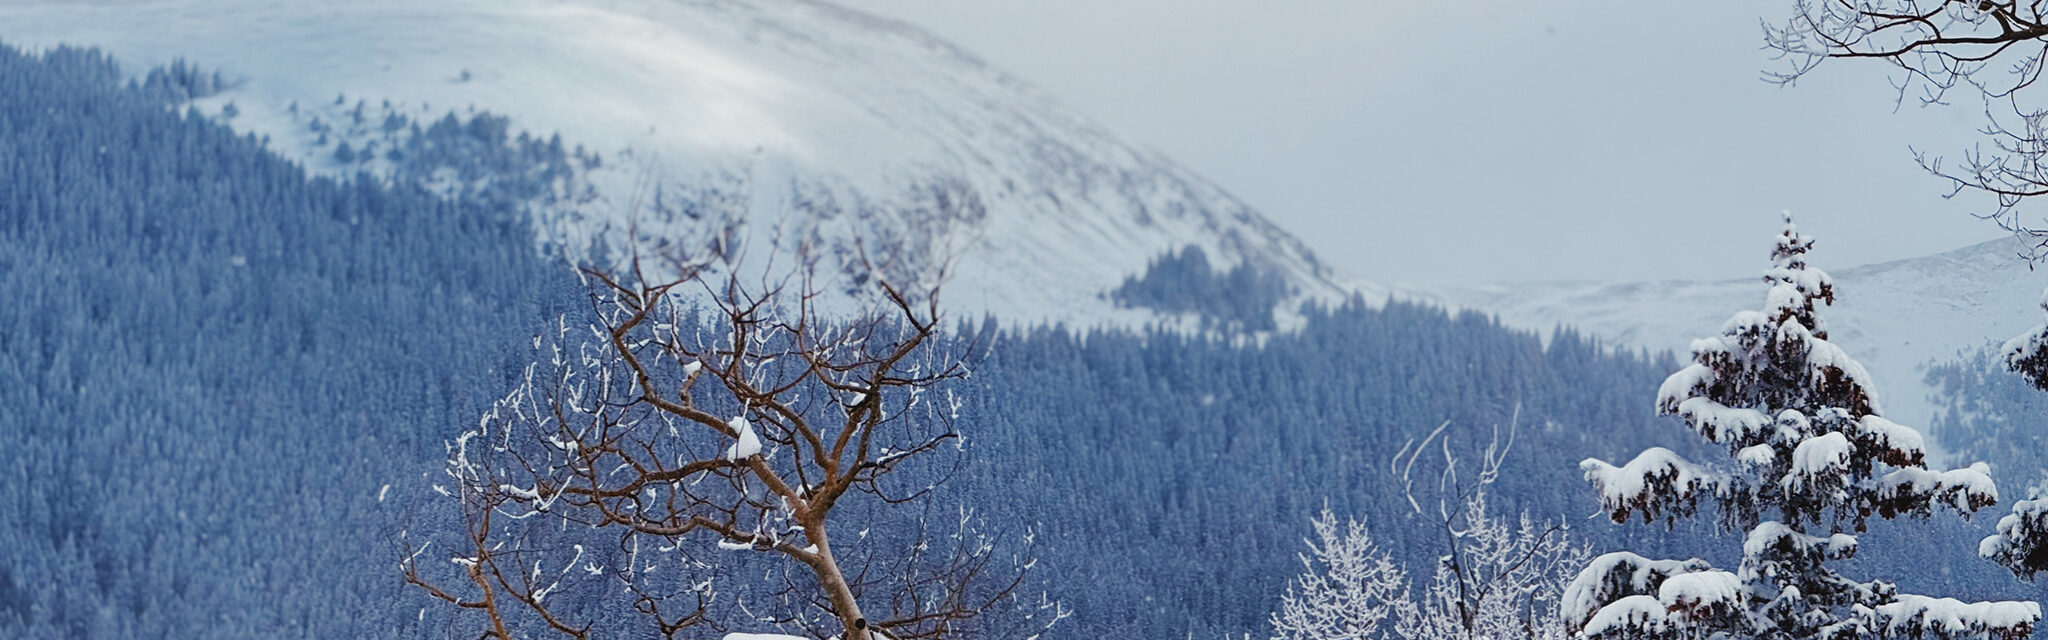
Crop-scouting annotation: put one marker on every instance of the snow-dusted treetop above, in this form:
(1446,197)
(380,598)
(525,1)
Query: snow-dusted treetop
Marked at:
(1810,460)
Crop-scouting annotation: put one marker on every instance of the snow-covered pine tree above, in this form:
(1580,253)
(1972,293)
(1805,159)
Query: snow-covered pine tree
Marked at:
(2021,544)
(2025,355)
(1811,460)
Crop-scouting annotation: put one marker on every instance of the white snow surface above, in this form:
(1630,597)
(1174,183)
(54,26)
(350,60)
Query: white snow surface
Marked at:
(1700,590)
(786,103)
(1583,598)
(1893,317)
(1624,484)
(1953,617)
(1633,614)
(1771,533)
(1958,486)
(1821,455)
(748,443)
(1724,423)
(1757,455)
(1903,439)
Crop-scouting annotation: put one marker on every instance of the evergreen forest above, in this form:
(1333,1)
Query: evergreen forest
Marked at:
(226,386)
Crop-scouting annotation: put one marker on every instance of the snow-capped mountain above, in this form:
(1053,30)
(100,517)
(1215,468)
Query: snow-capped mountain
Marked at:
(1894,317)
(816,123)
(807,121)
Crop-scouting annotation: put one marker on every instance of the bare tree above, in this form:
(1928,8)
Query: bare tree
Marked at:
(1496,579)
(1986,49)
(1349,587)
(646,461)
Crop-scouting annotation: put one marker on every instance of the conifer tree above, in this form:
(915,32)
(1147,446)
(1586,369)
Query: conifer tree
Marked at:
(1811,460)
(2024,353)
(2021,544)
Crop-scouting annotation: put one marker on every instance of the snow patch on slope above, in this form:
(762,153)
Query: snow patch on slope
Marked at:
(810,122)
(1894,317)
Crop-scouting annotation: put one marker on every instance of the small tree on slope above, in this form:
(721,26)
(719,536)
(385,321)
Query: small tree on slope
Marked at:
(1812,460)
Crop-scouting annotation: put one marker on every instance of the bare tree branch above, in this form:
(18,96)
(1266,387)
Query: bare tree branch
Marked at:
(1993,50)
(681,440)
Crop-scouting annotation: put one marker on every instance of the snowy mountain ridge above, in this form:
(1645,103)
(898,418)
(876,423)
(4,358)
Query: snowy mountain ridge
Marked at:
(807,122)
(813,123)
(1894,317)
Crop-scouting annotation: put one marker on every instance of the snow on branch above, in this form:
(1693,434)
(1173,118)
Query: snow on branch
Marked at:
(1690,382)
(1629,617)
(1915,490)
(1700,595)
(1773,541)
(1657,484)
(1897,445)
(1819,464)
(2021,544)
(1722,423)
(1622,588)
(2024,353)
(1924,617)
(1682,602)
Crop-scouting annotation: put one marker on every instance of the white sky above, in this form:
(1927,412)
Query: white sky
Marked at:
(1429,142)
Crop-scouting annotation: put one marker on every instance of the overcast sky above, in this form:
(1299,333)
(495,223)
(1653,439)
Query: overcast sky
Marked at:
(1430,142)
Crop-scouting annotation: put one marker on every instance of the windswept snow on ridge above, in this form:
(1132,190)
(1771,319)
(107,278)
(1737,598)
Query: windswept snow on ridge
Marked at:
(854,123)
(1894,317)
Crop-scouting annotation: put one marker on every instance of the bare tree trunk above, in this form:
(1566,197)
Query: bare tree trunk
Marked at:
(836,588)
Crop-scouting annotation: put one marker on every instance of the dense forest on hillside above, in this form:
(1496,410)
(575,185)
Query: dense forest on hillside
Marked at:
(1175,476)
(1990,413)
(212,365)
(1237,300)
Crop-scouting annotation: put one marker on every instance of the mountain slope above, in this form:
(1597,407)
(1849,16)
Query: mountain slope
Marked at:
(1894,317)
(808,122)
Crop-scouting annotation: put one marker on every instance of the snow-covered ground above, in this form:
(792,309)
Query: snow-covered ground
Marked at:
(1894,317)
(757,109)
